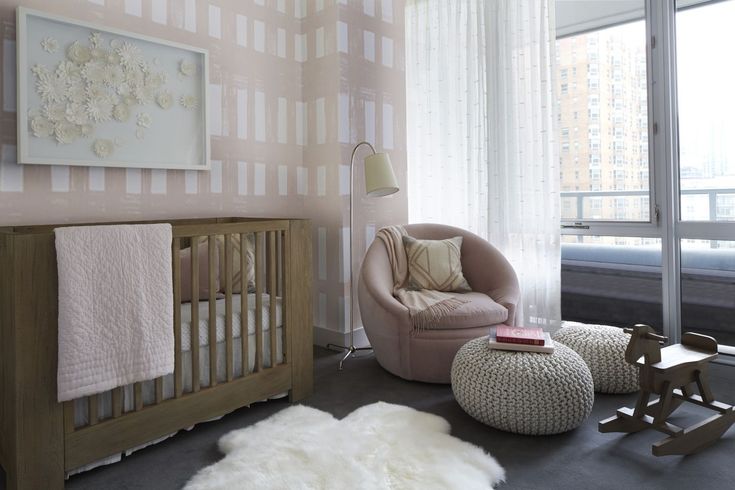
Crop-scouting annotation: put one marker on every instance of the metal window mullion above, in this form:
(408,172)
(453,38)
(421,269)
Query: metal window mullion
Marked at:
(661,51)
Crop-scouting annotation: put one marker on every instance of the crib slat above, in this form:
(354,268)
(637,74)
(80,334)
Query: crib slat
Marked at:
(273,293)
(69,417)
(117,402)
(286,277)
(93,404)
(258,304)
(159,390)
(228,305)
(194,328)
(212,312)
(244,309)
(279,262)
(178,374)
(138,396)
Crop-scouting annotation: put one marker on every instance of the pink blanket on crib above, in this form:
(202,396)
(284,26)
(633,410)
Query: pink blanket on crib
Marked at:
(115,306)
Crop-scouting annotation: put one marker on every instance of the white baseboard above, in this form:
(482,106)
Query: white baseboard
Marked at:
(324,336)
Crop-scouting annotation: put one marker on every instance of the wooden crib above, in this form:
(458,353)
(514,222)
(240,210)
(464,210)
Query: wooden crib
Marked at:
(39,439)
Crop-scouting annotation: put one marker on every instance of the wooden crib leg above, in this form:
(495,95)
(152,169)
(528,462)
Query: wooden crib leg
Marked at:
(32,425)
(299,333)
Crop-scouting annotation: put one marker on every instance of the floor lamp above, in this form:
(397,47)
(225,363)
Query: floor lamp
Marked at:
(379,181)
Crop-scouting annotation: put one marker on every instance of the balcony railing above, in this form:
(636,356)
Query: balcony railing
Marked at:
(728,214)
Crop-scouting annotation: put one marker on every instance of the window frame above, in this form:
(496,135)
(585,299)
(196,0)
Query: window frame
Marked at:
(664,170)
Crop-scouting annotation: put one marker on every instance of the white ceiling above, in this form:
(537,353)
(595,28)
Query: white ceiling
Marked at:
(575,16)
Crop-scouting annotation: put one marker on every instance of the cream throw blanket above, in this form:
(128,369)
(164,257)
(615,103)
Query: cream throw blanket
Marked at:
(115,306)
(426,307)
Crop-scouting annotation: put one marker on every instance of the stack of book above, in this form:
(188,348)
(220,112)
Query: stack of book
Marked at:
(527,339)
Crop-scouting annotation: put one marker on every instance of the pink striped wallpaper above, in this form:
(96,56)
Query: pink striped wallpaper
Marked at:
(293,85)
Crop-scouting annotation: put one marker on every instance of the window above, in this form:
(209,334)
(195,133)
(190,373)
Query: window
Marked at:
(615,61)
(706,107)
(686,226)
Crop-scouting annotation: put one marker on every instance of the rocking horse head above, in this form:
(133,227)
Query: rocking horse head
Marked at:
(644,342)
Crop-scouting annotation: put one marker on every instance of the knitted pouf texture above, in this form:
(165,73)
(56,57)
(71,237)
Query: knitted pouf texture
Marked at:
(522,392)
(603,349)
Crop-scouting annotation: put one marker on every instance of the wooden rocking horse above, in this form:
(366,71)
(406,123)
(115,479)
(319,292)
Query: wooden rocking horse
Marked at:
(669,373)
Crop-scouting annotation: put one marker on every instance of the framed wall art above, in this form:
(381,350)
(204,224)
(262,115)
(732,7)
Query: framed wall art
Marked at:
(89,95)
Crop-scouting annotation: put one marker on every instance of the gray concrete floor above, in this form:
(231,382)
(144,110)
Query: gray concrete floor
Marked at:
(582,458)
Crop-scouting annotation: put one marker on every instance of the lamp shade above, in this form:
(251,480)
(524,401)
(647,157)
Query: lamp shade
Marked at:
(379,177)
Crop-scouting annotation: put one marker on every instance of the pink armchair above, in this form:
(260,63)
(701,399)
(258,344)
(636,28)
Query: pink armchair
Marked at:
(428,355)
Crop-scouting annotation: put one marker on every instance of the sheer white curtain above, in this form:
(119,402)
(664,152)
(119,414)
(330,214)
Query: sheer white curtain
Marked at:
(481,149)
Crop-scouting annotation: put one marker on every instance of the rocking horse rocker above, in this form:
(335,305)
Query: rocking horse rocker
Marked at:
(669,373)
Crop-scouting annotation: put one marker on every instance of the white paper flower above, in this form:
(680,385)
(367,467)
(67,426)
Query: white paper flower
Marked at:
(49,44)
(113,75)
(66,132)
(51,88)
(76,113)
(144,94)
(189,102)
(112,58)
(140,133)
(41,127)
(86,130)
(144,120)
(115,43)
(96,90)
(95,39)
(77,92)
(94,71)
(99,54)
(78,53)
(55,111)
(134,76)
(165,100)
(130,56)
(187,68)
(103,148)
(99,108)
(121,112)
(122,89)
(129,100)
(68,70)
(156,80)
(40,71)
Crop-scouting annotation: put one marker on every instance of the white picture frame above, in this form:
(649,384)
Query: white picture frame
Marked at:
(90,95)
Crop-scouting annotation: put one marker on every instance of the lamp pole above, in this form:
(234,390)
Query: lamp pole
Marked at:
(351,349)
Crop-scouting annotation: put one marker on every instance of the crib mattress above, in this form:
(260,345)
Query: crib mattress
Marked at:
(236,316)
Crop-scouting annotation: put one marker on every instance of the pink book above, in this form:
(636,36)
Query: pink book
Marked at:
(520,335)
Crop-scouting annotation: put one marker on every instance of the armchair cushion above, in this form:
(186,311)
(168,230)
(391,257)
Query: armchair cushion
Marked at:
(435,264)
(480,311)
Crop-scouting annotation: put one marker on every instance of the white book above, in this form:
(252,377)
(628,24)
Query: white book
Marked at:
(547,348)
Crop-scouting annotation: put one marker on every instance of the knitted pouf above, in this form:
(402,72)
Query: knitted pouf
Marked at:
(522,392)
(603,349)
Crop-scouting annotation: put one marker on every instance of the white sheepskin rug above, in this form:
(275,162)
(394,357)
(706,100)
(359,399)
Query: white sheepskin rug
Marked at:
(377,446)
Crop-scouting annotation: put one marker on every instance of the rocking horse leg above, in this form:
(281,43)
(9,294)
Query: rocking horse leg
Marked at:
(654,407)
(665,404)
(624,421)
(704,389)
(686,390)
(641,404)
